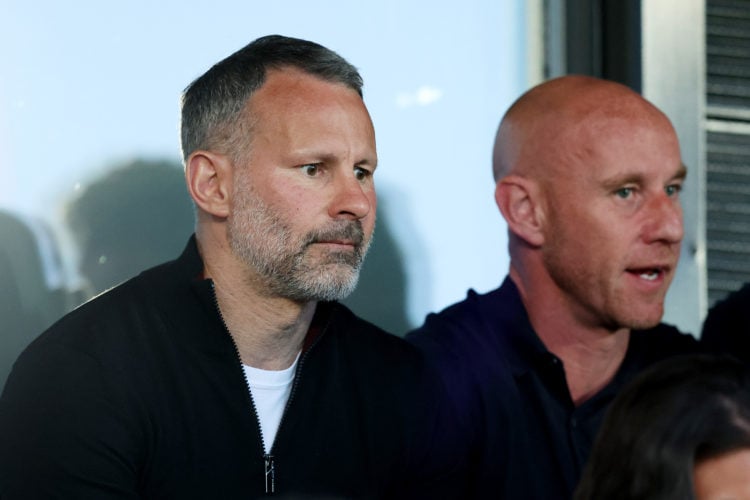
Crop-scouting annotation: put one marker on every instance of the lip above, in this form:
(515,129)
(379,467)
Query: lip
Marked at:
(650,276)
(348,244)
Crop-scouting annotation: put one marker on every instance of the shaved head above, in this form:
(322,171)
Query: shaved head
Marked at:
(588,175)
(554,121)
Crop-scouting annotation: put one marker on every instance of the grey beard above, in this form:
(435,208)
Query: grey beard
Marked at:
(260,239)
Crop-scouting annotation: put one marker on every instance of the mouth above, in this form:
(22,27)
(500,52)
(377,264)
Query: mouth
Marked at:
(349,244)
(651,274)
(345,237)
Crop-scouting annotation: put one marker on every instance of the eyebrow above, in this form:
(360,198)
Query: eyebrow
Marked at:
(368,163)
(681,172)
(637,178)
(331,158)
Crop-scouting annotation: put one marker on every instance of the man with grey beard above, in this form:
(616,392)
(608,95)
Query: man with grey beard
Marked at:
(233,372)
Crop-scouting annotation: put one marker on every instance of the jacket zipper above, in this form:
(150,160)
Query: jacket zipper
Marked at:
(269,461)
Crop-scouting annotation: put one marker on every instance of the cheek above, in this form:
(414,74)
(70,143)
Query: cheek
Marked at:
(290,200)
(369,221)
(726,476)
(587,246)
(603,235)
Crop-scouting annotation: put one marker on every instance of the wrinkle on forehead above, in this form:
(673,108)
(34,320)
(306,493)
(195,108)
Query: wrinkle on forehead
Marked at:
(560,120)
(307,114)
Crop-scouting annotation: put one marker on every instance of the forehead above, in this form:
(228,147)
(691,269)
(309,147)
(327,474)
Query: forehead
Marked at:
(603,146)
(297,114)
(292,91)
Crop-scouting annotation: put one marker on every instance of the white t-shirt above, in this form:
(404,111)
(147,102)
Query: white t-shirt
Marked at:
(270,391)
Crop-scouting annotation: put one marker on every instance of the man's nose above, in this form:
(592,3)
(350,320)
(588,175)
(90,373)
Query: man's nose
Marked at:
(664,220)
(351,197)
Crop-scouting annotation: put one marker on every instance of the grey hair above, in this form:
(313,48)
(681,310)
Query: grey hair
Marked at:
(211,106)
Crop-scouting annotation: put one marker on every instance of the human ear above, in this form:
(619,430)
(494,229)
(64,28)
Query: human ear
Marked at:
(519,200)
(208,177)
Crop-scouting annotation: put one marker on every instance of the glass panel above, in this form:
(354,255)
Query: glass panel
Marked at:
(88,88)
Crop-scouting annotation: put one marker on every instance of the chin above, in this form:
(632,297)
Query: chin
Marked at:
(644,321)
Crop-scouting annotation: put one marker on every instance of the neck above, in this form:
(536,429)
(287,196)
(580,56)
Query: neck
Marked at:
(590,354)
(269,331)
(591,360)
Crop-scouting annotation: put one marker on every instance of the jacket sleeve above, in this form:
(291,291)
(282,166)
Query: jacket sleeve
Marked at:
(64,430)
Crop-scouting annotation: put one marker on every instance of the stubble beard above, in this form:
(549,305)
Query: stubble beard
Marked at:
(284,262)
(608,308)
(604,306)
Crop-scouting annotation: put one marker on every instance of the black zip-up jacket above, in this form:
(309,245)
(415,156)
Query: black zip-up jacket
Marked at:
(140,393)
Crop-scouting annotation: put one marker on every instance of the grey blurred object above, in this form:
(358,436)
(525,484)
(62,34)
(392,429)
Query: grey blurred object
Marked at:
(380,296)
(136,216)
(33,292)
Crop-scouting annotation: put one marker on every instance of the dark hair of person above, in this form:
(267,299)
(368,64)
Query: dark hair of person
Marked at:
(670,418)
(211,105)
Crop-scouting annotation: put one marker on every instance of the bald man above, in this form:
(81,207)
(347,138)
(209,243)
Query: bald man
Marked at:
(588,176)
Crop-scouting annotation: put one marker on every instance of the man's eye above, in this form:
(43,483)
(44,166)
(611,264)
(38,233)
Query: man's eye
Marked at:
(310,169)
(673,189)
(361,173)
(624,193)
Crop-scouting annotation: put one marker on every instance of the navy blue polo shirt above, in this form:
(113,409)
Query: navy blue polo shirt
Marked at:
(528,439)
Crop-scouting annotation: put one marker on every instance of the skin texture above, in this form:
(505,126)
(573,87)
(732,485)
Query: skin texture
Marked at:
(301,203)
(302,230)
(726,477)
(588,176)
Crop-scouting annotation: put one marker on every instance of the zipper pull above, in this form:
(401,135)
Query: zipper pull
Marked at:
(270,474)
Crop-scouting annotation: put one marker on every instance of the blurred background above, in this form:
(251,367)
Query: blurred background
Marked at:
(91,185)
